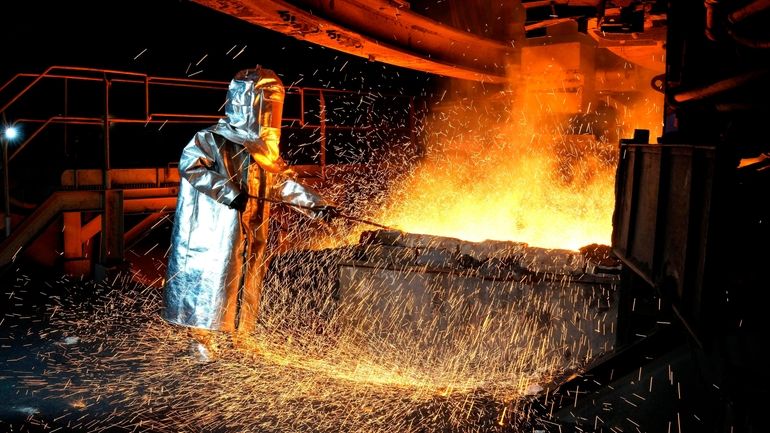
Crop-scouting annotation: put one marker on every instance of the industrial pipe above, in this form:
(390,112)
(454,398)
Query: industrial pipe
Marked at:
(720,23)
(748,10)
(714,25)
(718,87)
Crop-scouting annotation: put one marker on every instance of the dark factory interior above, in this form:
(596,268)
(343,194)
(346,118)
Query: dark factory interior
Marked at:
(484,216)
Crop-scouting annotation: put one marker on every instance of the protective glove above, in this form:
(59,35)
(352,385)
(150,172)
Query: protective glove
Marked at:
(326,213)
(239,202)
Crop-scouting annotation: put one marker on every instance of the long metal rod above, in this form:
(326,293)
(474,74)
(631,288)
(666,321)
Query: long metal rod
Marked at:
(720,86)
(748,10)
(106,173)
(339,214)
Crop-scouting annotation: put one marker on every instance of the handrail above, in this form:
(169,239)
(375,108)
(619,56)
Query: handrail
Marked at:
(108,77)
(72,120)
(146,79)
(82,74)
(8,83)
(160,81)
(30,138)
(66,68)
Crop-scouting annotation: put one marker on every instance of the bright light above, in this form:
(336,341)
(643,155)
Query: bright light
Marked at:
(11,132)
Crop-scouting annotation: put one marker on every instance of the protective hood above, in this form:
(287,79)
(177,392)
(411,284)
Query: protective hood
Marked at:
(253,112)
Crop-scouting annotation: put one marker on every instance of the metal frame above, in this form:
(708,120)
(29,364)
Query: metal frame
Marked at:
(129,198)
(80,74)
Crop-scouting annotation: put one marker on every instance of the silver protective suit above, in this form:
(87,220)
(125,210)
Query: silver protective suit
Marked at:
(216,263)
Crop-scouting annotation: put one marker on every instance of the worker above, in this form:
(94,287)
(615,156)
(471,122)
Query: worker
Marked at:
(230,173)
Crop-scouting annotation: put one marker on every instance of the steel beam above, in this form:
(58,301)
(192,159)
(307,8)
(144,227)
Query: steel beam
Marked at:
(111,250)
(378,31)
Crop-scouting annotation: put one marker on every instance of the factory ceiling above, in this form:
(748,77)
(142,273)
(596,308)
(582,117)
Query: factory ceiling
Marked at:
(382,30)
(468,39)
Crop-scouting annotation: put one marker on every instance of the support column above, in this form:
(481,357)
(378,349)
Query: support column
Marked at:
(112,245)
(75,261)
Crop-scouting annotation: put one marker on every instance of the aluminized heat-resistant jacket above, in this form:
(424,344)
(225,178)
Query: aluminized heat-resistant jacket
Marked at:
(216,262)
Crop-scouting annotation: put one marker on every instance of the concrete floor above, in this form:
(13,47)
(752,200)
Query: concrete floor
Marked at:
(79,356)
(44,386)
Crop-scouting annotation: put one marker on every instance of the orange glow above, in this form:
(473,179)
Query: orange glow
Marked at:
(519,166)
(520,202)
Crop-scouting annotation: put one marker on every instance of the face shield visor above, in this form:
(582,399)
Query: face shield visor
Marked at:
(255,106)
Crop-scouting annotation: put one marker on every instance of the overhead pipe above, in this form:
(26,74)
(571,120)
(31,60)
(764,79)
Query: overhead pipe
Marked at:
(748,10)
(720,23)
(718,87)
(371,30)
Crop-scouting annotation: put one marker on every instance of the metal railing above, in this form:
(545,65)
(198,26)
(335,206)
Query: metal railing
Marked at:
(304,119)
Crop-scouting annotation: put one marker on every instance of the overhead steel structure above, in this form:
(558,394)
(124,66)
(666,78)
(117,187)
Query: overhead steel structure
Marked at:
(380,30)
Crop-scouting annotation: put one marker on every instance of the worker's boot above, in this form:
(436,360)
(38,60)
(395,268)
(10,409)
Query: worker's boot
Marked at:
(203,345)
